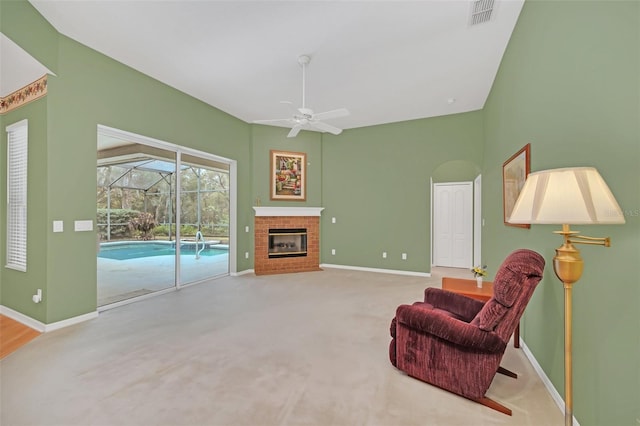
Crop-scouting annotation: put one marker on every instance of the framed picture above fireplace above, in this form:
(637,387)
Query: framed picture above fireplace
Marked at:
(288,176)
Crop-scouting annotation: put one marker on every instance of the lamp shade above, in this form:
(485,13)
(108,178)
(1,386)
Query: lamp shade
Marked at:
(576,195)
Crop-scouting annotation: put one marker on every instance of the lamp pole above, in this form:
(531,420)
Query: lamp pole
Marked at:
(568,265)
(568,356)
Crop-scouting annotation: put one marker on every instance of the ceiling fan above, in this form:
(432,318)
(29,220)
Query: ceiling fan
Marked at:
(304,118)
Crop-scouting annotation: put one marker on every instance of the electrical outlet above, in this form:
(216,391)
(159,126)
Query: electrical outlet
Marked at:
(333,252)
(384,254)
(246,229)
(246,254)
(333,220)
(404,256)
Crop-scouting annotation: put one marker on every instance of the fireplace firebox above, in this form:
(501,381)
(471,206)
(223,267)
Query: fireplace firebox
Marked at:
(287,242)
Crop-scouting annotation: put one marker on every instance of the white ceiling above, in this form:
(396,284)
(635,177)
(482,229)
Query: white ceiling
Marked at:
(385,61)
(17,67)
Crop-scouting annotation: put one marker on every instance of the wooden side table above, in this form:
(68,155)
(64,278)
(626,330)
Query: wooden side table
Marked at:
(470,288)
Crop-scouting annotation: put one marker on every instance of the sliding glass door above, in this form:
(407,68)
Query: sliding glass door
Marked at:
(135,221)
(162,218)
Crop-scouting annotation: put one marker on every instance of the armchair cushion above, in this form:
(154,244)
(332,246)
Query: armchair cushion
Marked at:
(507,294)
(462,307)
(451,329)
(490,316)
(425,305)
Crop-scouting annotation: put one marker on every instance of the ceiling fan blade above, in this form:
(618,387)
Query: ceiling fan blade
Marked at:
(325,127)
(294,131)
(341,112)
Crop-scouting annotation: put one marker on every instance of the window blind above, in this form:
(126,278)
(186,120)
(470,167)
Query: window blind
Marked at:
(17,138)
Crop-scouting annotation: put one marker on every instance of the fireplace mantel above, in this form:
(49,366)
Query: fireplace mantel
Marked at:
(288,211)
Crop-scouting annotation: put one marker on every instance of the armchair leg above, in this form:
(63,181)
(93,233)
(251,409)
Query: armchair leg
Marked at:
(488,402)
(506,372)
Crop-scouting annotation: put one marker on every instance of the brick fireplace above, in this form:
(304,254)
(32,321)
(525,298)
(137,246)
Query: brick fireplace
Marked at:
(286,218)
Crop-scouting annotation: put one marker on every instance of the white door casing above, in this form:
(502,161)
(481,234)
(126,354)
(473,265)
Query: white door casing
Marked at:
(477,221)
(453,224)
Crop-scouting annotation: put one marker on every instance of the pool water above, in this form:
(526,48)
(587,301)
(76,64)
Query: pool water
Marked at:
(127,251)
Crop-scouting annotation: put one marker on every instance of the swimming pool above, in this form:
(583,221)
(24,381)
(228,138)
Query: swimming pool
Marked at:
(138,249)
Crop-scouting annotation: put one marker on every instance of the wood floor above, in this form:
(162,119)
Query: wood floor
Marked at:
(14,335)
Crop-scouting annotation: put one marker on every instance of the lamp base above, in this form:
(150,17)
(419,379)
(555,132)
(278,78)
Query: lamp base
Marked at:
(567,263)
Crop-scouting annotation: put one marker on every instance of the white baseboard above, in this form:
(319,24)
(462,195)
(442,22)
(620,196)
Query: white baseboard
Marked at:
(42,327)
(245,272)
(21,318)
(545,379)
(354,268)
(378,270)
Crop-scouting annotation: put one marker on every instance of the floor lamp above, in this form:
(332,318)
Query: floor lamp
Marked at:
(570,196)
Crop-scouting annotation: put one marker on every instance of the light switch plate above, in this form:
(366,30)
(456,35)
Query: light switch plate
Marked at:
(58,226)
(83,225)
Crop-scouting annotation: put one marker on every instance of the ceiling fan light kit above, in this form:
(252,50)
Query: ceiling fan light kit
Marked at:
(304,118)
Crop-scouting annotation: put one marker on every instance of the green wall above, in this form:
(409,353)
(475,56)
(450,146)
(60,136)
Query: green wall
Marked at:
(375,182)
(17,286)
(569,84)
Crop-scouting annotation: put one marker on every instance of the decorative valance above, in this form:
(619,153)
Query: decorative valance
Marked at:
(20,97)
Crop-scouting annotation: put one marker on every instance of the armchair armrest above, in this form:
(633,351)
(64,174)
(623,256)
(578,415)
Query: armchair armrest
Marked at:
(450,329)
(462,306)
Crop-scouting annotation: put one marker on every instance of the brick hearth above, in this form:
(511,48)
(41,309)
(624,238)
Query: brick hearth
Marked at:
(264,265)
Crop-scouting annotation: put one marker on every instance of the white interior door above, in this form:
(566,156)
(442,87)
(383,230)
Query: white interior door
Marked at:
(453,224)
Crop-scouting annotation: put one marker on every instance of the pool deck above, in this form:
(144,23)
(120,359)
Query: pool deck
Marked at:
(123,279)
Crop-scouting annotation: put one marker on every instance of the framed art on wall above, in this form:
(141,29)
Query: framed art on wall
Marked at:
(514,172)
(288,176)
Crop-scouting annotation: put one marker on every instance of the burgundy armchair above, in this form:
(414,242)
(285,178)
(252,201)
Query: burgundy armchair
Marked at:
(455,342)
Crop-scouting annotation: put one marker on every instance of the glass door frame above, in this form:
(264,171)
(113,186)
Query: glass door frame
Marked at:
(179,152)
(188,273)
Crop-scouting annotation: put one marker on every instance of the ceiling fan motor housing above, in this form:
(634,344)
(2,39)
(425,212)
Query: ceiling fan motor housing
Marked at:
(304,60)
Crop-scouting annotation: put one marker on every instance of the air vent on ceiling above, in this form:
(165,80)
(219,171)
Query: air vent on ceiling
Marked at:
(481,11)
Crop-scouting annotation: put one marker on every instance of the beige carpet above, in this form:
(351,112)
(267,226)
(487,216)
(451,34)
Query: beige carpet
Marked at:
(295,349)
